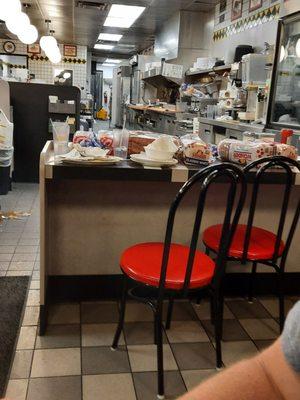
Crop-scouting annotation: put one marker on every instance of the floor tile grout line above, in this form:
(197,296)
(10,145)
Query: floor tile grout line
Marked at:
(126,348)
(81,347)
(165,332)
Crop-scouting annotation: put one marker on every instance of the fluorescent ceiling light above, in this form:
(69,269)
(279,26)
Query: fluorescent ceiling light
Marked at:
(112,61)
(121,16)
(103,46)
(108,65)
(112,37)
(118,22)
(122,11)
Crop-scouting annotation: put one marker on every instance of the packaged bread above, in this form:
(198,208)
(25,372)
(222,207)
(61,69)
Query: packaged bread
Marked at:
(286,150)
(138,140)
(195,151)
(244,152)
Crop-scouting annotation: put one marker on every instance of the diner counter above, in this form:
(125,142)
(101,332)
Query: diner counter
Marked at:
(90,214)
(234,125)
(159,110)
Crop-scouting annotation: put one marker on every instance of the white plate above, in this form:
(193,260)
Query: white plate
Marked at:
(142,159)
(84,161)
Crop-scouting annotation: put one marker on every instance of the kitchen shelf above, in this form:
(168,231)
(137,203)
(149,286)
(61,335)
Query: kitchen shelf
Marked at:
(207,71)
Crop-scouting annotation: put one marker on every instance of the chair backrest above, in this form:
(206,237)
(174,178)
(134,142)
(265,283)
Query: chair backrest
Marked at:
(232,210)
(262,167)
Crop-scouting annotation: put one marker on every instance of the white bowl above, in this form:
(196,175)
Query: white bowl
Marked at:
(159,155)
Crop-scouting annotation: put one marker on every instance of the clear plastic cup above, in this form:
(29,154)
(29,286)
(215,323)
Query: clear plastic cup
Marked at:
(120,143)
(210,111)
(61,133)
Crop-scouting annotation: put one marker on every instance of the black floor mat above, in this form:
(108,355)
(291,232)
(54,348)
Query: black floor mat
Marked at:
(12,297)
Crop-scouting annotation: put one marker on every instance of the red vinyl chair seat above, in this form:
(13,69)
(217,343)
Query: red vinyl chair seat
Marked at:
(261,245)
(142,263)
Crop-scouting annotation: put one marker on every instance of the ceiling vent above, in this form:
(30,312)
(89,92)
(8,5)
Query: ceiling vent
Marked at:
(92,5)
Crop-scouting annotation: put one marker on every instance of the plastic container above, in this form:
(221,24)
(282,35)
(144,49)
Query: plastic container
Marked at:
(120,143)
(61,133)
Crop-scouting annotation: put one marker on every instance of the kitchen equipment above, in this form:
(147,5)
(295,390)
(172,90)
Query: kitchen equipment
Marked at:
(254,68)
(251,98)
(284,104)
(120,94)
(241,50)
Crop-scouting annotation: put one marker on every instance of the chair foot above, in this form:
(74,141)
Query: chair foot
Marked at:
(160,397)
(219,369)
(114,348)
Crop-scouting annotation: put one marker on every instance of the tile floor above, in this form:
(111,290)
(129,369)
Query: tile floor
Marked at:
(73,361)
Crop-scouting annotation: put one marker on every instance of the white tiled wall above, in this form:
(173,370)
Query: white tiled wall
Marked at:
(254,36)
(227,20)
(45,69)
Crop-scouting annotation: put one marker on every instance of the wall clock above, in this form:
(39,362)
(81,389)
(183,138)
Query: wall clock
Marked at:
(9,47)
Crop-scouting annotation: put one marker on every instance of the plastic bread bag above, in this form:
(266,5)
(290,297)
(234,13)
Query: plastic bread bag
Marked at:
(286,150)
(195,151)
(244,152)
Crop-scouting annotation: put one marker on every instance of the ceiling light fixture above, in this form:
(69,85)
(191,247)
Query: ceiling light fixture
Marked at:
(50,46)
(108,65)
(112,61)
(48,41)
(112,37)
(9,8)
(29,35)
(17,23)
(99,46)
(121,16)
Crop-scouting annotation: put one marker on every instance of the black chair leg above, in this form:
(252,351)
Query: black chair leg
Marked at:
(281,300)
(199,296)
(121,314)
(218,322)
(252,281)
(212,311)
(169,313)
(160,363)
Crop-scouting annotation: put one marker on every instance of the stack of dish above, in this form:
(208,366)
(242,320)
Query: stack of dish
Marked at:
(159,153)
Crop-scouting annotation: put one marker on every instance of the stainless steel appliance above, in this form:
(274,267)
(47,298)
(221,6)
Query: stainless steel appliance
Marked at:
(120,94)
(284,102)
(254,68)
(97,89)
(138,63)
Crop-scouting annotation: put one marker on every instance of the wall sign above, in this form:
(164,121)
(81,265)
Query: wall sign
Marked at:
(9,47)
(70,50)
(236,9)
(34,48)
(254,5)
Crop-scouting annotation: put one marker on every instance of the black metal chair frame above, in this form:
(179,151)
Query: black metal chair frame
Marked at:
(206,177)
(278,261)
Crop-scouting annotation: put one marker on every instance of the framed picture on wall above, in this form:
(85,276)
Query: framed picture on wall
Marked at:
(254,5)
(34,48)
(223,5)
(70,50)
(237,9)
